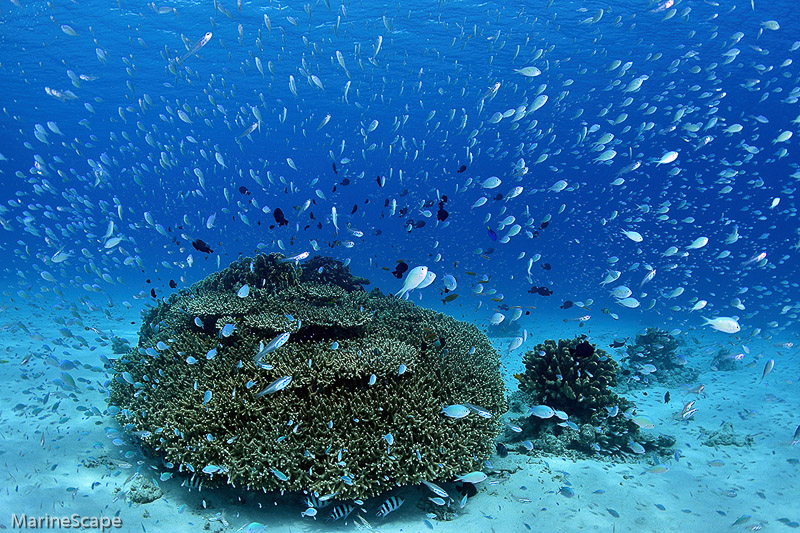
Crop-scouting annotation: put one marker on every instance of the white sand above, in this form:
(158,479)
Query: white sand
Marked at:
(43,455)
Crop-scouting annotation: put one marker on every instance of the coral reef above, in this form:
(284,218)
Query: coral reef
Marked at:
(653,358)
(575,378)
(561,377)
(120,345)
(724,361)
(350,405)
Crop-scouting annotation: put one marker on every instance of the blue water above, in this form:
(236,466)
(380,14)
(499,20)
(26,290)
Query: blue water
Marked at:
(94,150)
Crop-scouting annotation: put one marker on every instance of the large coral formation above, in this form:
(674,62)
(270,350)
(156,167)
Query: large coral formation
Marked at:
(570,376)
(369,376)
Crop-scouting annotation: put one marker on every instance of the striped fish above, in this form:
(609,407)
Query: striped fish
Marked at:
(195,482)
(341,511)
(315,501)
(391,504)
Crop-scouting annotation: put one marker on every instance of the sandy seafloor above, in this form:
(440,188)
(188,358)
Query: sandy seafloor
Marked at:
(45,455)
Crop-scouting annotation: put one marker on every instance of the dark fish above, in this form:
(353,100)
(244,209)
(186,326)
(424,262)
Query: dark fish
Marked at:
(400,269)
(345,182)
(499,196)
(449,298)
(583,350)
(467,489)
(381,181)
(544,225)
(441,215)
(172,284)
(502,451)
(334,168)
(243,190)
(355,208)
(546,266)
(419,224)
(542,291)
(567,304)
(666,397)
(153,293)
(279,217)
(201,246)
(461,169)
(492,234)
(618,343)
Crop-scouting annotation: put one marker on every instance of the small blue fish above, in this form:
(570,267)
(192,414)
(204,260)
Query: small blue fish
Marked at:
(436,489)
(492,234)
(271,346)
(275,386)
(211,354)
(191,360)
(455,411)
(207,397)
(227,330)
(198,322)
(280,475)
(335,346)
(68,380)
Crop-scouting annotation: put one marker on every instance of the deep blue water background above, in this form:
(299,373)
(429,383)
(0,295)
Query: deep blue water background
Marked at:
(427,45)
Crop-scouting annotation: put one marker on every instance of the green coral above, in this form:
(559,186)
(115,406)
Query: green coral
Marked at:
(325,432)
(577,385)
(564,378)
